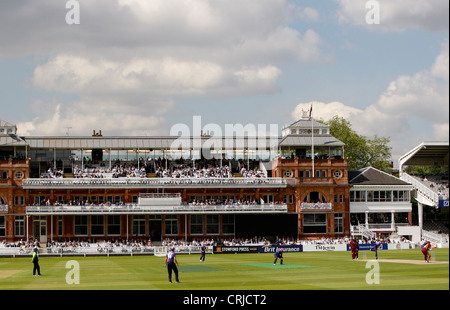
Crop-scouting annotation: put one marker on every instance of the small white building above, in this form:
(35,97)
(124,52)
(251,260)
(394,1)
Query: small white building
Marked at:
(380,203)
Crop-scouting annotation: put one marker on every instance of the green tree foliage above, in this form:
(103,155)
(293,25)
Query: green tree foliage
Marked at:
(361,151)
(426,170)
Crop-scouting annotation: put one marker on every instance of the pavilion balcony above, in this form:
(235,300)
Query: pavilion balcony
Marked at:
(66,183)
(136,209)
(318,162)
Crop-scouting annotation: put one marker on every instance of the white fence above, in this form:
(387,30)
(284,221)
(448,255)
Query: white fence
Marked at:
(94,249)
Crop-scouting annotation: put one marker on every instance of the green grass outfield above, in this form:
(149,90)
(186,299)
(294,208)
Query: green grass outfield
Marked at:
(398,270)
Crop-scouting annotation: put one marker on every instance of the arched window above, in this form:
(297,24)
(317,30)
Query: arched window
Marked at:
(314,197)
(2,202)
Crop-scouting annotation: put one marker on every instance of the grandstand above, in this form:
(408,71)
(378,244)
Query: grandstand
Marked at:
(103,188)
(431,188)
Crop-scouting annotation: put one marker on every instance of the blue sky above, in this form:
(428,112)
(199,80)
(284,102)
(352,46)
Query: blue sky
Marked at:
(137,67)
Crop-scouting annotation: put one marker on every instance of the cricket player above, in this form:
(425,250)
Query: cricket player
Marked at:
(354,248)
(425,251)
(35,261)
(278,255)
(375,248)
(203,251)
(171,264)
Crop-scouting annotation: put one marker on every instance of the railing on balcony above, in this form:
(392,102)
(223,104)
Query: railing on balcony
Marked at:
(6,181)
(307,161)
(4,208)
(316,206)
(315,180)
(370,230)
(428,195)
(137,209)
(362,230)
(153,182)
(159,195)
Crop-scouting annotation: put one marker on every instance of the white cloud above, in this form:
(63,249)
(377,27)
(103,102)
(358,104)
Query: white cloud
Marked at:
(83,117)
(414,108)
(132,97)
(307,14)
(424,96)
(216,31)
(325,111)
(136,57)
(398,15)
(153,77)
(191,13)
(441,132)
(440,68)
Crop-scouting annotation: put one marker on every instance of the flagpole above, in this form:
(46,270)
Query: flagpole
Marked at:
(312,140)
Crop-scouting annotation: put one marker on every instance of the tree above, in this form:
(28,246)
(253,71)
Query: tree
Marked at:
(361,151)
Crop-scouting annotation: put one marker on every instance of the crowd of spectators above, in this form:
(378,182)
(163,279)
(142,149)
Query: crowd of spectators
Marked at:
(83,203)
(279,241)
(143,243)
(195,242)
(139,242)
(161,169)
(53,173)
(78,243)
(216,242)
(118,171)
(253,173)
(22,243)
(16,157)
(194,203)
(207,171)
(346,240)
(439,183)
(227,202)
